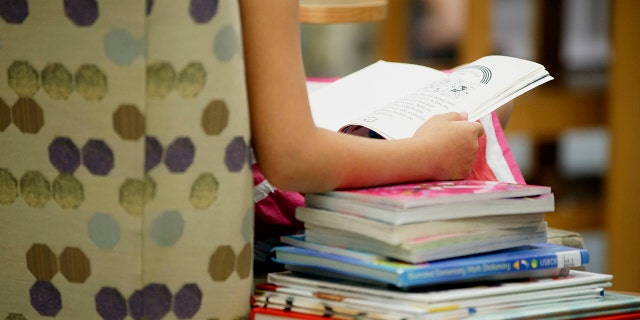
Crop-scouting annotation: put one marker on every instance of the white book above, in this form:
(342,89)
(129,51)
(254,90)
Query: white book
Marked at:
(441,295)
(397,234)
(394,99)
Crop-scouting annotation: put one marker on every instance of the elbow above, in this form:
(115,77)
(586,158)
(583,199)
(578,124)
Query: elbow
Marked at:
(278,175)
(291,172)
(281,173)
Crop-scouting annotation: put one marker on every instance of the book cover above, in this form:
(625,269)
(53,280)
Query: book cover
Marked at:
(267,313)
(501,263)
(397,234)
(626,315)
(430,193)
(432,295)
(454,210)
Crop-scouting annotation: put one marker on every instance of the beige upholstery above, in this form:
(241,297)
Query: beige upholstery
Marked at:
(125,189)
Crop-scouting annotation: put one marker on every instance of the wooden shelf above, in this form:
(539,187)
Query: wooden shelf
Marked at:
(342,11)
(577,216)
(547,111)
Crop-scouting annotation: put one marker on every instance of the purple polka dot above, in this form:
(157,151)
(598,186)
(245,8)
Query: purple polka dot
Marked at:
(153,302)
(135,305)
(187,301)
(110,304)
(97,157)
(153,153)
(64,155)
(149,6)
(45,298)
(202,11)
(14,11)
(81,12)
(236,154)
(180,154)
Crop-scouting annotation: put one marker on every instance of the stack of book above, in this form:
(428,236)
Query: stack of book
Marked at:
(433,250)
(428,221)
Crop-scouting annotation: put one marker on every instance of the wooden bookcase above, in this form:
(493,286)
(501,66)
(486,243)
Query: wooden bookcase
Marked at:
(548,110)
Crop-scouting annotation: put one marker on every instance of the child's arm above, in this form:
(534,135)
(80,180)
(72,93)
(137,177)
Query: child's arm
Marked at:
(296,155)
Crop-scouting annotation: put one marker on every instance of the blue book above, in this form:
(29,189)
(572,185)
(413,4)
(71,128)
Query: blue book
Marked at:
(542,259)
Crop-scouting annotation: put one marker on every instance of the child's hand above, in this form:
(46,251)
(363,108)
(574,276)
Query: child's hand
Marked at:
(451,144)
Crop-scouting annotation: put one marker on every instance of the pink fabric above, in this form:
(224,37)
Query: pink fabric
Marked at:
(494,160)
(275,213)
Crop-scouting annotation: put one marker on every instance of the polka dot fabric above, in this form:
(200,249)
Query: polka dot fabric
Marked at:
(125,186)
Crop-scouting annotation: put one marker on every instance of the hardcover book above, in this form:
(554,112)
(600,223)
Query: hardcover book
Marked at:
(501,264)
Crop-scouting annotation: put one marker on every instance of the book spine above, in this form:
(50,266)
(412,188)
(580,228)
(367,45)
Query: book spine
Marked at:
(480,269)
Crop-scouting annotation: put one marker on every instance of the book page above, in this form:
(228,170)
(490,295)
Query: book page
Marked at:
(339,103)
(477,88)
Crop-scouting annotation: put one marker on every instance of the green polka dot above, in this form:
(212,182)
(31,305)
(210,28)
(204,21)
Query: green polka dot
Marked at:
(204,191)
(104,231)
(67,191)
(35,189)
(160,79)
(191,80)
(134,194)
(23,79)
(57,81)
(167,228)
(91,82)
(8,187)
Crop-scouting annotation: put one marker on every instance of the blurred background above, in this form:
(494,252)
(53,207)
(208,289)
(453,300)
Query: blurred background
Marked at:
(562,133)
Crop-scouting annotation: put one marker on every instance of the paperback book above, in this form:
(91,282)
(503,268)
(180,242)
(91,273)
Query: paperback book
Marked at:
(501,264)
(420,250)
(463,209)
(393,99)
(445,294)
(430,193)
(613,303)
(266,313)
(287,299)
(397,234)
(325,297)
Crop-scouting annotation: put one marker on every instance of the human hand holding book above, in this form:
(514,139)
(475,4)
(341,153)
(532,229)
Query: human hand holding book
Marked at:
(395,99)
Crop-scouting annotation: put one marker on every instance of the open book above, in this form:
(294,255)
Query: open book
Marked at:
(393,99)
